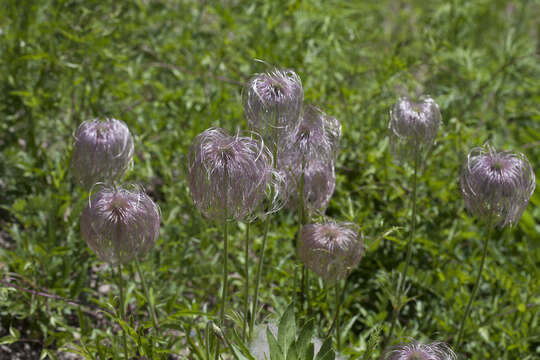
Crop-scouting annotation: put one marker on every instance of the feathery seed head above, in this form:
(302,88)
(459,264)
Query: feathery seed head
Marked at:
(416,351)
(102,151)
(331,250)
(499,184)
(319,185)
(272,102)
(315,139)
(413,127)
(120,224)
(228,175)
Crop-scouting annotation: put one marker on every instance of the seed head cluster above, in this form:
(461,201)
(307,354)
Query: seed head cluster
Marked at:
(272,103)
(310,151)
(228,175)
(413,127)
(331,250)
(102,151)
(120,224)
(416,351)
(497,184)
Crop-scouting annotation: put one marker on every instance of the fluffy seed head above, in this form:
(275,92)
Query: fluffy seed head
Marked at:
(416,351)
(319,186)
(120,224)
(272,102)
(331,250)
(102,151)
(413,127)
(228,175)
(315,139)
(499,184)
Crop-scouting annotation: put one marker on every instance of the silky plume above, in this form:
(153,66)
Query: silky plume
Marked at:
(120,224)
(497,184)
(228,175)
(102,151)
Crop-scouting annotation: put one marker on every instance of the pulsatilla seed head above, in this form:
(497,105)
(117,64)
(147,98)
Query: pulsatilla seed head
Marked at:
(102,151)
(318,187)
(497,185)
(228,175)
(413,127)
(315,139)
(310,151)
(272,102)
(120,224)
(416,351)
(331,250)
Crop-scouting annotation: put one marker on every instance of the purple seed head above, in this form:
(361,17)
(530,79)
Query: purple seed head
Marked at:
(102,151)
(272,103)
(413,127)
(331,250)
(319,186)
(497,184)
(228,175)
(416,351)
(315,139)
(120,224)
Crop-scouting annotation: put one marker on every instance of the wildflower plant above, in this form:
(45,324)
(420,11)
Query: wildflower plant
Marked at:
(331,250)
(417,351)
(102,151)
(413,128)
(496,187)
(121,225)
(228,178)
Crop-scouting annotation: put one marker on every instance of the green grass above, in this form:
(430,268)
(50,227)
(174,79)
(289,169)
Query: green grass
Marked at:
(171,69)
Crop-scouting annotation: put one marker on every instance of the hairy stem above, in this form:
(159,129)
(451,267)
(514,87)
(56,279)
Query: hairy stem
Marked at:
(338,329)
(476,283)
(246,294)
(122,310)
(401,285)
(225,271)
(147,295)
(265,231)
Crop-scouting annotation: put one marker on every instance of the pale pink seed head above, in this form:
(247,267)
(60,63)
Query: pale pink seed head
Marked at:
(228,175)
(272,103)
(413,127)
(331,250)
(120,224)
(497,184)
(102,151)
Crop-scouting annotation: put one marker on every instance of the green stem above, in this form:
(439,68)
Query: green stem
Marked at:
(225,271)
(401,284)
(476,283)
(147,295)
(338,329)
(122,310)
(301,222)
(258,276)
(265,231)
(246,294)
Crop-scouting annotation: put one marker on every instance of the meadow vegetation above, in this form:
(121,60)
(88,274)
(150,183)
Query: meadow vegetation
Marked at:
(172,69)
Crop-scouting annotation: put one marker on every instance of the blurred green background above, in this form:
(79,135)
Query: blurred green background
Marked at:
(171,69)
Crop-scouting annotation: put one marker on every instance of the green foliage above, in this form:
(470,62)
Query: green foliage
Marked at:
(171,69)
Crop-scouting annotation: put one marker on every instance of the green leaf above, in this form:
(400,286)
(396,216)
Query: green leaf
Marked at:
(287,329)
(304,339)
(326,352)
(275,351)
